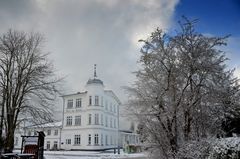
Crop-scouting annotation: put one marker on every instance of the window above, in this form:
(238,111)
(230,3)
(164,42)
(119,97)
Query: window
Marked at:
(69,121)
(89,139)
(106,140)
(101,119)
(114,123)
(106,121)
(35,133)
(48,132)
(90,100)
(102,139)
(96,139)
(106,105)
(29,133)
(56,132)
(111,107)
(77,139)
(16,141)
(89,119)
(96,119)
(68,141)
(70,103)
(78,103)
(55,145)
(102,101)
(48,145)
(96,100)
(78,120)
(111,140)
(114,108)
(110,122)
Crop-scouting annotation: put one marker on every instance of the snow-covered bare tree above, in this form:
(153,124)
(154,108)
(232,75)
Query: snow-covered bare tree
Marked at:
(27,82)
(178,95)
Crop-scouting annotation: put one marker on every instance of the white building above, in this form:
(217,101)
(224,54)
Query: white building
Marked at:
(127,137)
(51,130)
(90,120)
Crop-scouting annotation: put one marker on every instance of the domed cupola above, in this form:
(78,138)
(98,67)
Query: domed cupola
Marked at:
(95,80)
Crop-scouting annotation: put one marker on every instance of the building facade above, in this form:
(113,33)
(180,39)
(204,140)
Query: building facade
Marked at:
(51,130)
(90,120)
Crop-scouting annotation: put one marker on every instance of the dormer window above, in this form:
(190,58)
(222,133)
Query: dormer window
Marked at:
(69,121)
(78,103)
(69,103)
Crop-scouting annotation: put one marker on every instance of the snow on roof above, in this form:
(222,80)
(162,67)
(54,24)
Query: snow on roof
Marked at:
(54,124)
(110,92)
(95,81)
(126,131)
(74,94)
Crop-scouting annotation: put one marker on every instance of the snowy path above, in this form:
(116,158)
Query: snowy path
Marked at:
(91,155)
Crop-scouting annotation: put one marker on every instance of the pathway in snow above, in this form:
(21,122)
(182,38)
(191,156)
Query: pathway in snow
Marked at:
(91,155)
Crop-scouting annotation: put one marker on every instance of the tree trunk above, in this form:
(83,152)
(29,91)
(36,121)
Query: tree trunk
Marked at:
(1,125)
(9,144)
(187,125)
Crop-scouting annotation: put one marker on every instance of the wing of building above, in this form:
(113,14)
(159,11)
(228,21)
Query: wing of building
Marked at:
(90,120)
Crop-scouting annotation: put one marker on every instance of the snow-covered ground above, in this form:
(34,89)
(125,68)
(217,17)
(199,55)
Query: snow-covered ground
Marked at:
(91,155)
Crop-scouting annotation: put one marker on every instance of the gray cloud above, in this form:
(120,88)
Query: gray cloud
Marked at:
(82,33)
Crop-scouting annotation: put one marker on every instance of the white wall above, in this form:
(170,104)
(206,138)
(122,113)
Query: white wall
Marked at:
(106,108)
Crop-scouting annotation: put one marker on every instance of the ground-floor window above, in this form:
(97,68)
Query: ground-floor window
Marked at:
(16,141)
(68,141)
(102,139)
(77,139)
(48,145)
(106,140)
(55,145)
(89,139)
(111,140)
(96,139)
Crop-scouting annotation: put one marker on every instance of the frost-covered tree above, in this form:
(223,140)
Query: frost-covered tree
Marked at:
(181,89)
(28,84)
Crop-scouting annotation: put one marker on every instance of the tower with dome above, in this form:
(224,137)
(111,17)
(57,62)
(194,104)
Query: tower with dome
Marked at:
(90,118)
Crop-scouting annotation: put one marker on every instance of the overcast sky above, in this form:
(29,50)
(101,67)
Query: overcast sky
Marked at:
(81,33)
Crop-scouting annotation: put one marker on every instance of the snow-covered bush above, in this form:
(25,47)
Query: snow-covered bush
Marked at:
(195,150)
(225,148)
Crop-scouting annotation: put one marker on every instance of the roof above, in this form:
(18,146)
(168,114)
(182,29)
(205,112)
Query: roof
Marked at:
(110,92)
(95,81)
(126,131)
(54,124)
(74,94)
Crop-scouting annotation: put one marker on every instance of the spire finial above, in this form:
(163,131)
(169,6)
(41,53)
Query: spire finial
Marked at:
(95,73)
